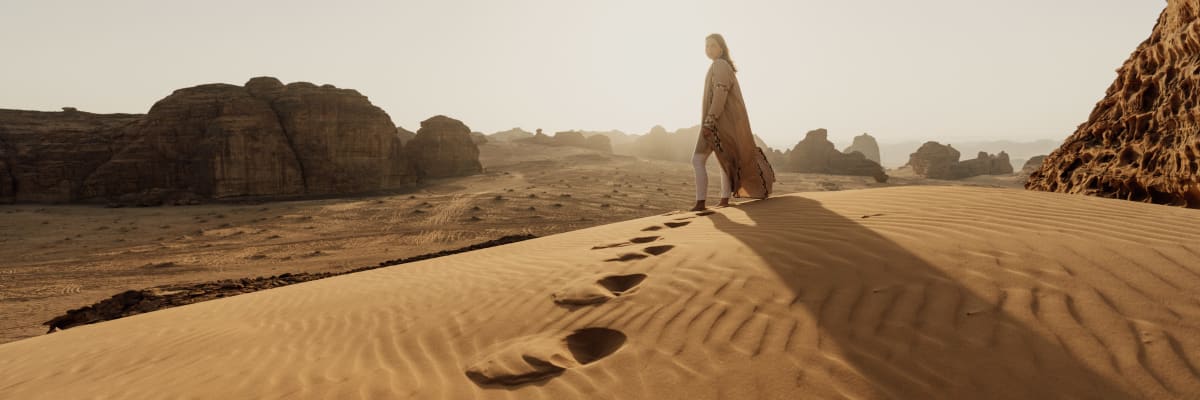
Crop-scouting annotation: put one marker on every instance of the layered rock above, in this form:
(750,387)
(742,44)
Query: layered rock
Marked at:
(207,141)
(937,161)
(866,145)
(1142,140)
(816,154)
(443,148)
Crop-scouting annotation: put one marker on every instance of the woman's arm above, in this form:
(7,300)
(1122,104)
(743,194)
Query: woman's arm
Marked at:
(722,81)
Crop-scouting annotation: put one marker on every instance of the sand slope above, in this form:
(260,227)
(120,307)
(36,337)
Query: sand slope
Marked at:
(910,292)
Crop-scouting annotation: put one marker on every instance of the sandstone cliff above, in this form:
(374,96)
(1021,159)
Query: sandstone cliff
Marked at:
(218,141)
(46,156)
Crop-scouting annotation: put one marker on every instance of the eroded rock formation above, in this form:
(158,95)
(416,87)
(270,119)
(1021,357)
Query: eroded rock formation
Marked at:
(213,141)
(510,135)
(1142,140)
(816,154)
(443,148)
(599,143)
(866,145)
(571,138)
(938,161)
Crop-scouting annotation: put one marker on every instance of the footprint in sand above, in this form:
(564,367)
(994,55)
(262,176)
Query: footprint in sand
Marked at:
(651,228)
(652,251)
(657,250)
(676,224)
(598,290)
(636,240)
(539,357)
(706,212)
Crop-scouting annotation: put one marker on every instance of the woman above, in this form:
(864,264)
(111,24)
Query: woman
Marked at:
(726,130)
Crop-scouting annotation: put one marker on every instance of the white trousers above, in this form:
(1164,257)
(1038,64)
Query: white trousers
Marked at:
(698,162)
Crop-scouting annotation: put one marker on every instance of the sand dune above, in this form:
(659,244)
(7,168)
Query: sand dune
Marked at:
(908,292)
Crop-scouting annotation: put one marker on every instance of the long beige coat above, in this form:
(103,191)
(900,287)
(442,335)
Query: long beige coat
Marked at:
(745,164)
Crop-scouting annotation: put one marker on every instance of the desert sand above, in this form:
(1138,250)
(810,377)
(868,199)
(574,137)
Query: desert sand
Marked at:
(55,258)
(907,292)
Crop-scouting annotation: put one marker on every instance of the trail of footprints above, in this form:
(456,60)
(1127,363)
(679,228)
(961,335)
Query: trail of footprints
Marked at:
(536,358)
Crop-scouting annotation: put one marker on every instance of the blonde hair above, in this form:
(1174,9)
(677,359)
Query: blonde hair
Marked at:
(724,49)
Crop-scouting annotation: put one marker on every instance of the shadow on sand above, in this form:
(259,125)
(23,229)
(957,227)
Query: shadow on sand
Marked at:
(904,325)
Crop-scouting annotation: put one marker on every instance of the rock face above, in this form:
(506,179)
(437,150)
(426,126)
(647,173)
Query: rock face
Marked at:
(816,154)
(1142,140)
(207,141)
(46,156)
(937,161)
(866,145)
(443,148)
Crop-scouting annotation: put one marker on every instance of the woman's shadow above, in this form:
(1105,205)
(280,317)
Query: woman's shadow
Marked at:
(904,325)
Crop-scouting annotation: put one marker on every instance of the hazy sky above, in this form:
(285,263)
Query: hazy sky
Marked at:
(900,70)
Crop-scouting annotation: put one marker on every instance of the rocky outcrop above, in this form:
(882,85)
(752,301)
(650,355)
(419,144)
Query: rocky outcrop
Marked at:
(599,143)
(936,161)
(987,164)
(570,138)
(1031,165)
(264,139)
(207,141)
(510,135)
(866,145)
(933,160)
(816,154)
(1142,140)
(443,148)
